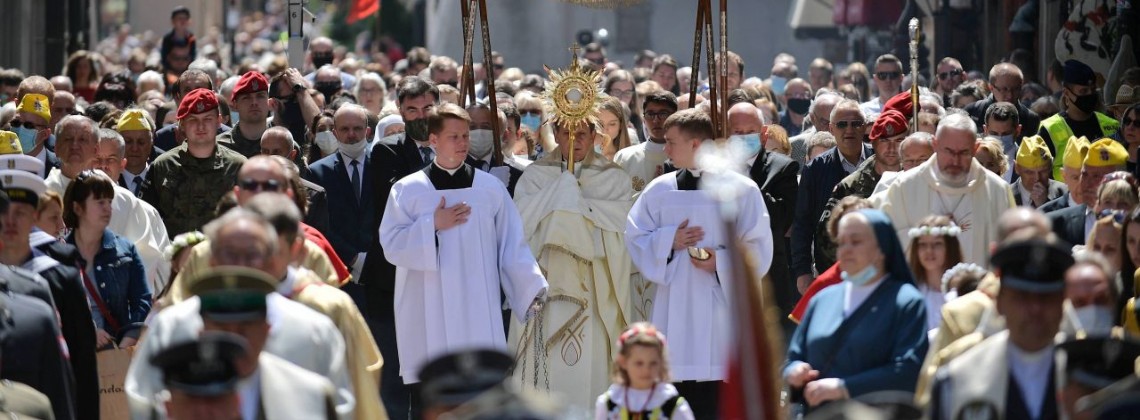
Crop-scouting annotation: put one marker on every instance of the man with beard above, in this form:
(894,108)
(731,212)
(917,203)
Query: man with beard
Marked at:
(955,185)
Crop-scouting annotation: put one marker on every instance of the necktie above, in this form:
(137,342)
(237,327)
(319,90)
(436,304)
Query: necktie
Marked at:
(355,178)
(135,184)
(427,154)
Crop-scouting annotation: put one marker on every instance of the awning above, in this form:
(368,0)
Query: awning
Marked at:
(812,19)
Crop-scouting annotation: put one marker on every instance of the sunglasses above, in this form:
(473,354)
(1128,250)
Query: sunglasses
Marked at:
(1118,216)
(259,186)
(888,75)
(657,115)
(949,74)
(842,125)
(26,124)
(1126,122)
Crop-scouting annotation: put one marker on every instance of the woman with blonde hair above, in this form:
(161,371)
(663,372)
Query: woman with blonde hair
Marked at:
(993,158)
(614,120)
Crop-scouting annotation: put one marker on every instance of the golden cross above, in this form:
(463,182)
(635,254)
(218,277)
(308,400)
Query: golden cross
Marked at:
(574,50)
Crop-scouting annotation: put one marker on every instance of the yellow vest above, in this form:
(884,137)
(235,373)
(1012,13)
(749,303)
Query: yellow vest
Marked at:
(1060,132)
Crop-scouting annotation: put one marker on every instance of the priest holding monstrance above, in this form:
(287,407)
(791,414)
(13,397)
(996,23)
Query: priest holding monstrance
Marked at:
(574,204)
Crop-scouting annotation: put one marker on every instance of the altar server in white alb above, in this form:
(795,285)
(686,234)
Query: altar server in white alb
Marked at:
(676,237)
(455,237)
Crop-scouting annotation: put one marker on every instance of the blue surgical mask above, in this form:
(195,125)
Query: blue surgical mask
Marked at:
(751,142)
(27,137)
(861,278)
(778,85)
(598,149)
(532,121)
(1006,139)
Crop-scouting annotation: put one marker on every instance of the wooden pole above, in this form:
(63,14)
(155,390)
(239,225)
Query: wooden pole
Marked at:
(489,74)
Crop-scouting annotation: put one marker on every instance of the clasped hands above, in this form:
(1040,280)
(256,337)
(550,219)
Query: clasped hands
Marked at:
(815,390)
(686,237)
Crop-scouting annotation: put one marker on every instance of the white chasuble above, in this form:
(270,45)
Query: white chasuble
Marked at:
(575,228)
(448,282)
(692,305)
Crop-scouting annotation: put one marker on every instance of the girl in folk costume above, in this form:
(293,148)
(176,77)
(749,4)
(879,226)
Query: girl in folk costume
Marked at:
(641,388)
(933,249)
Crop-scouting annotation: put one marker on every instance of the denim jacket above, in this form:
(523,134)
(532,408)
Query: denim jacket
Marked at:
(121,281)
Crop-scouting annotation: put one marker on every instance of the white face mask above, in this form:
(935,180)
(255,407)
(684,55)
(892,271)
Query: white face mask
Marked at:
(326,141)
(482,143)
(354,150)
(1094,319)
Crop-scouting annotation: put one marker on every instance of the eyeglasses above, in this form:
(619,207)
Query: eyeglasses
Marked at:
(842,125)
(1126,122)
(888,75)
(657,115)
(949,74)
(620,93)
(1117,215)
(259,186)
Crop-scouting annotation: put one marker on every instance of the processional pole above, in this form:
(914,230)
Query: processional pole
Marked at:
(467,79)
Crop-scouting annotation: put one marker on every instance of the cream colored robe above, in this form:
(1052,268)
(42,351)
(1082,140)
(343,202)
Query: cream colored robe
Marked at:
(643,162)
(912,198)
(575,228)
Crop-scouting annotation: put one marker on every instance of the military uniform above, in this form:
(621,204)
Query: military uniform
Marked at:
(860,183)
(234,140)
(186,189)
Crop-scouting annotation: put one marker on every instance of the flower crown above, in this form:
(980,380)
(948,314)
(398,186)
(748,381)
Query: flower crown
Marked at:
(183,241)
(953,230)
(958,269)
(637,330)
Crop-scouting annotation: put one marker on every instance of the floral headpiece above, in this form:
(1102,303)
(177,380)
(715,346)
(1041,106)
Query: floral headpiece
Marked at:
(953,230)
(639,329)
(959,269)
(183,241)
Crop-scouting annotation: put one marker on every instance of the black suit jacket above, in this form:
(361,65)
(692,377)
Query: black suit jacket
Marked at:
(512,179)
(350,234)
(1029,120)
(776,175)
(818,180)
(317,215)
(1069,224)
(1056,190)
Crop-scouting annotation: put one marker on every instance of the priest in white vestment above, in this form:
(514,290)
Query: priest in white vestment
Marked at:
(671,223)
(952,183)
(574,223)
(455,237)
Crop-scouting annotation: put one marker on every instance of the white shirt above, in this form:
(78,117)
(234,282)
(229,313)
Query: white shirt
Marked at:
(1031,370)
(359,168)
(872,108)
(849,166)
(853,295)
(652,146)
(1090,221)
(934,301)
(129,178)
(250,395)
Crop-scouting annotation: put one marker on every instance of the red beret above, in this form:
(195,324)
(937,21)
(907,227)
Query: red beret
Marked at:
(889,124)
(251,81)
(900,103)
(196,102)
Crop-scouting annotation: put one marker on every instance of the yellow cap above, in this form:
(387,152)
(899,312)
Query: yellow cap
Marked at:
(1033,153)
(133,120)
(1075,152)
(10,143)
(36,104)
(1106,152)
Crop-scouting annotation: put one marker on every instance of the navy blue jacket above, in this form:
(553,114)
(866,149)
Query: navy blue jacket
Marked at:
(121,281)
(350,221)
(816,184)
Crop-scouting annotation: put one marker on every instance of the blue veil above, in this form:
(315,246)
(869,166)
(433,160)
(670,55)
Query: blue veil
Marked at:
(895,263)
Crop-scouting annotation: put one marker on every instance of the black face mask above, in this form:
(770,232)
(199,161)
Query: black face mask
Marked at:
(1085,103)
(417,129)
(328,89)
(799,105)
(320,59)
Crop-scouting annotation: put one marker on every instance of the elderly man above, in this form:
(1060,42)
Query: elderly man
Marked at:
(328,82)
(888,77)
(819,178)
(952,184)
(110,155)
(137,130)
(1091,295)
(1035,185)
(819,114)
(132,218)
(797,97)
(915,149)
(31,125)
(186,183)
(1073,224)
(1018,363)
(1005,86)
(443,71)
(321,54)
(1079,116)
(251,100)
(775,174)
(1074,159)
(62,105)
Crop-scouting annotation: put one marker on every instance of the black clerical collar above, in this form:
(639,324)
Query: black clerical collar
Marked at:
(687,180)
(441,180)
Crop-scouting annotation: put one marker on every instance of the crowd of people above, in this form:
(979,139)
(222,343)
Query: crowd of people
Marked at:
(358,241)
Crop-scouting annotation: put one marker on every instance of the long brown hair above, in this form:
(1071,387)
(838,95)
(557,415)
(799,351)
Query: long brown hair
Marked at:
(614,106)
(953,247)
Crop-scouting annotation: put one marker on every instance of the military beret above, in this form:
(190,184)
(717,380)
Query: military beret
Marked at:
(250,82)
(196,102)
(22,162)
(133,120)
(231,293)
(1097,362)
(1032,153)
(456,378)
(889,124)
(1105,153)
(204,366)
(37,104)
(22,186)
(901,103)
(10,143)
(1078,73)
(1075,151)
(1032,266)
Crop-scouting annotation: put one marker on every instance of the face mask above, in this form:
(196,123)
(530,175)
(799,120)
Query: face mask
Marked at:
(482,143)
(27,138)
(1006,139)
(598,149)
(1094,319)
(417,129)
(532,121)
(354,150)
(862,277)
(328,89)
(1085,103)
(326,141)
(234,117)
(321,59)
(778,85)
(751,142)
(799,105)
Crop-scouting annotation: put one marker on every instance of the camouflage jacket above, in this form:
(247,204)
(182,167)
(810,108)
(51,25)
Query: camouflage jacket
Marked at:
(860,183)
(186,190)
